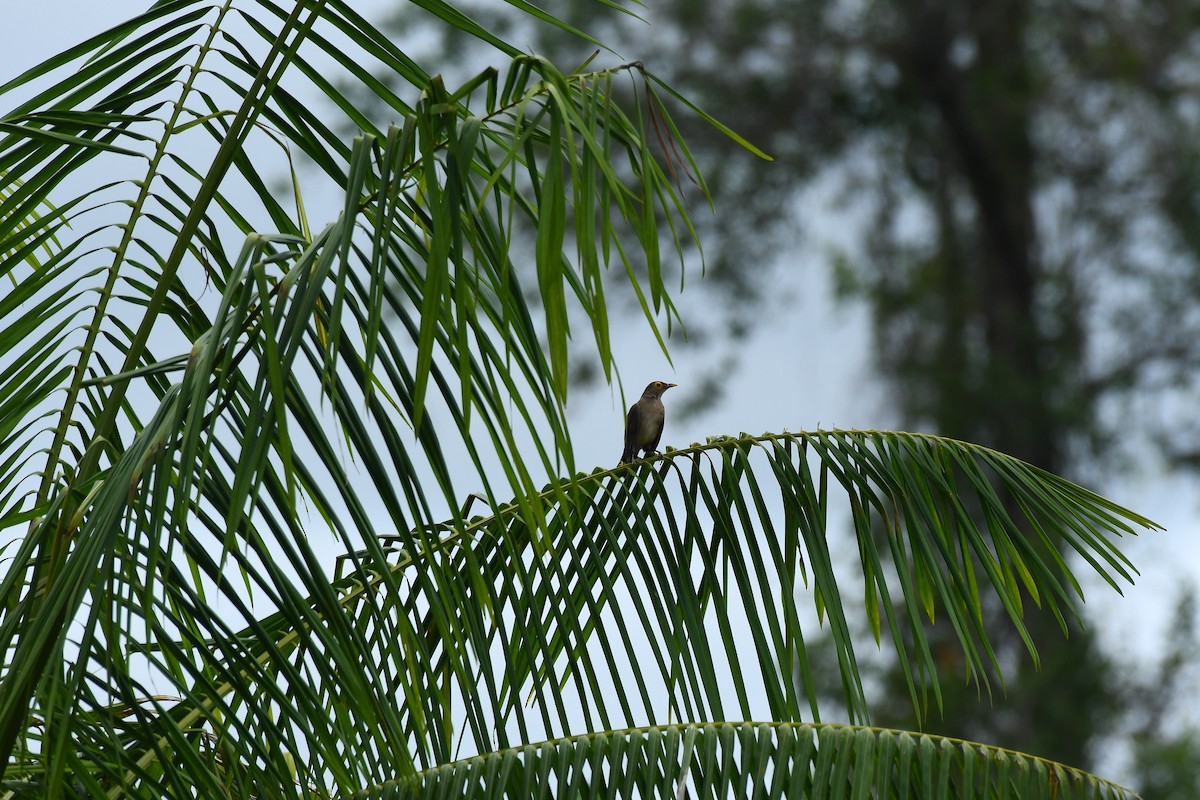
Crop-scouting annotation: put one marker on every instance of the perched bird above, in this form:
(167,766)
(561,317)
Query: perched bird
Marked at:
(644,425)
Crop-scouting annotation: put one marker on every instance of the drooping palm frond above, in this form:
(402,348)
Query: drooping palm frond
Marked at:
(690,589)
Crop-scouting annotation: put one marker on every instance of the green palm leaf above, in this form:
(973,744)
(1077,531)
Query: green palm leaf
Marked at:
(768,760)
(722,544)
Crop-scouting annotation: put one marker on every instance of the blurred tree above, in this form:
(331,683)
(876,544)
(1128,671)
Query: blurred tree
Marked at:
(1166,749)
(1024,177)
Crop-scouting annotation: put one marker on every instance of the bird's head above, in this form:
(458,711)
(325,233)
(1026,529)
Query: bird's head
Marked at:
(656,388)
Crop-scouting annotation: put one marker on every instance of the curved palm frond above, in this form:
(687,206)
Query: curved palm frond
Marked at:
(688,591)
(767,760)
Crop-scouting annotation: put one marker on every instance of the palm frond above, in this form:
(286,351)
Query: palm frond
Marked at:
(767,760)
(690,590)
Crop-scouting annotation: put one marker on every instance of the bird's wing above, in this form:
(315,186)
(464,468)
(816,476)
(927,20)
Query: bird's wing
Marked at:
(654,421)
(633,432)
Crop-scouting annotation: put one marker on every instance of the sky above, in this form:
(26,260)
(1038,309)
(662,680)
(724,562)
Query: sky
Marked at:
(805,368)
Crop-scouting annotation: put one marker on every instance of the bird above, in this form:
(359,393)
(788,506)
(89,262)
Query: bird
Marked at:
(644,425)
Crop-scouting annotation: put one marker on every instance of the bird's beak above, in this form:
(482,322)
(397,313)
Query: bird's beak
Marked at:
(669,385)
